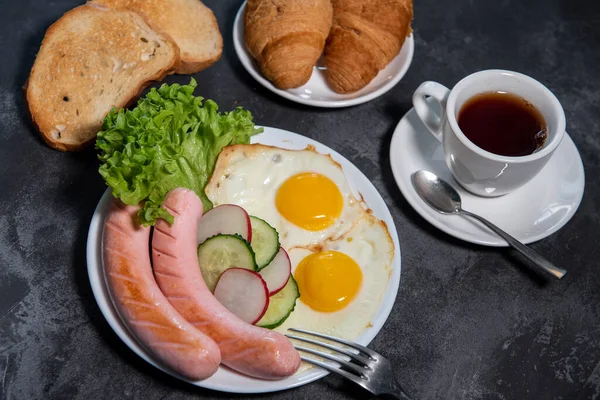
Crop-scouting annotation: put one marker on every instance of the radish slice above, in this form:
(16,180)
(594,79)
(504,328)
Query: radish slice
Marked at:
(228,219)
(277,273)
(244,293)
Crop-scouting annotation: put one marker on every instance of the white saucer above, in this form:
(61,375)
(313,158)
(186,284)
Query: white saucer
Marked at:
(532,212)
(316,92)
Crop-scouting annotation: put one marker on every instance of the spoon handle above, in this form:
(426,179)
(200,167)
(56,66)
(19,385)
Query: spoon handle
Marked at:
(531,254)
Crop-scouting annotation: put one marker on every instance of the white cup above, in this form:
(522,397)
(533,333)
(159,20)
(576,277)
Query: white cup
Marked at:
(477,170)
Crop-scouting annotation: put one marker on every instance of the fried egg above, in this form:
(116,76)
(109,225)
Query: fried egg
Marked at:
(303,194)
(342,282)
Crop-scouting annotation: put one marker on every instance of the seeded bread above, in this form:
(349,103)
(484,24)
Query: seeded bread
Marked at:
(190,23)
(91,60)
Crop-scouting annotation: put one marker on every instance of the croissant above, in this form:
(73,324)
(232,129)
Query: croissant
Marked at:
(287,37)
(365,36)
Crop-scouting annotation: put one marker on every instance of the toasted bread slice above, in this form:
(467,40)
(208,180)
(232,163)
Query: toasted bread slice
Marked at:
(190,23)
(91,60)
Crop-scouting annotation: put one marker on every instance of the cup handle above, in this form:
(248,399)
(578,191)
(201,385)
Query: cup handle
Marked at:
(430,118)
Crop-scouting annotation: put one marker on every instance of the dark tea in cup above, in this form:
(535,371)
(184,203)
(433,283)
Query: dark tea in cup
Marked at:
(503,123)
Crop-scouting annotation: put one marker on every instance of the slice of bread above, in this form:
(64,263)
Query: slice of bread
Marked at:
(91,60)
(190,23)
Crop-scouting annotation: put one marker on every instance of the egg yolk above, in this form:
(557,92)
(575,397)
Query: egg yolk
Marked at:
(328,280)
(309,200)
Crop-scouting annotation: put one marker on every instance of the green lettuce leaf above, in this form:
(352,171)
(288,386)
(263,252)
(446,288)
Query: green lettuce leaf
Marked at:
(171,139)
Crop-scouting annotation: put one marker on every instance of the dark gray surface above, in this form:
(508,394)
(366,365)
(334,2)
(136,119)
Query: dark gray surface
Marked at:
(469,322)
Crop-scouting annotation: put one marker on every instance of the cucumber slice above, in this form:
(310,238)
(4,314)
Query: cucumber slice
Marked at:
(265,242)
(281,305)
(221,252)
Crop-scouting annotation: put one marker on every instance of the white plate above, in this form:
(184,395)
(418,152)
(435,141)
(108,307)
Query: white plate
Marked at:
(534,211)
(316,92)
(225,379)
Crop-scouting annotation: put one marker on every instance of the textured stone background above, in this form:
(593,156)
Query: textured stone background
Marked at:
(469,322)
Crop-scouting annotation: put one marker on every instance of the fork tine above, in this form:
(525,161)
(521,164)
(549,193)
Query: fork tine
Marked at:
(348,343)
(349,365)
(353,356)
(335,370)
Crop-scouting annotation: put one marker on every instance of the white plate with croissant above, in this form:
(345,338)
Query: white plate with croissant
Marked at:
(325,55)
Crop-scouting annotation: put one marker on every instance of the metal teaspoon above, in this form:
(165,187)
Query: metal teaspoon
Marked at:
(442,197)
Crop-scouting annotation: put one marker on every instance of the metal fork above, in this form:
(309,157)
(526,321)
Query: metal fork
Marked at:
(367,368)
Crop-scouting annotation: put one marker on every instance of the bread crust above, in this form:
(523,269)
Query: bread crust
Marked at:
(191,66)
(82,133)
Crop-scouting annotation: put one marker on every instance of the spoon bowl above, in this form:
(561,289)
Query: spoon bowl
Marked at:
(437,193)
